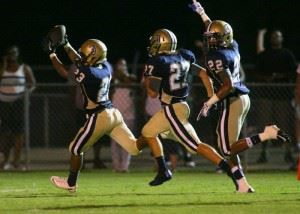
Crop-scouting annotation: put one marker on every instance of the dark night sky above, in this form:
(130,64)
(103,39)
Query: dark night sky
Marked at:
(125,25)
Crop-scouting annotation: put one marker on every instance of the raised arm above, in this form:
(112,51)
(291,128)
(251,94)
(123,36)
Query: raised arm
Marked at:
(197,7)
(2,66)
(30,79)
(260,46)
(58,66)
(71,52)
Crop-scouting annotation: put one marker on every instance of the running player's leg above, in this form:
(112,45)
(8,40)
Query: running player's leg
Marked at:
(270,132)
(177,116)
(156,125)
(95,127)
(122,134)
(234,111)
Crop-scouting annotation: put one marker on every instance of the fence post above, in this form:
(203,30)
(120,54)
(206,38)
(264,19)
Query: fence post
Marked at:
(46,121)
(27,126)
(245,155)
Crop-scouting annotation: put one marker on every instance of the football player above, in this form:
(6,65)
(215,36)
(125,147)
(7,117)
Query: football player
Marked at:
(222,63)
(166,78)
(94,74)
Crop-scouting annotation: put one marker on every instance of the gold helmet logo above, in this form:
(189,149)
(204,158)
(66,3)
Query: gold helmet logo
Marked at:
(93,52)
(219,34)
(162,41)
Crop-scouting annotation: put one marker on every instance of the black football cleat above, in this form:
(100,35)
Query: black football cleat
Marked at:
(283,137)
(160,178)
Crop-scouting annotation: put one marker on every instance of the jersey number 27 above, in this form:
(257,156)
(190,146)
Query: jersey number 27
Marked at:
(178,75)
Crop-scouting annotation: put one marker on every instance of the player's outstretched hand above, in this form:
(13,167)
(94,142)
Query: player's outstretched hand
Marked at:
(204,111)
(196,7)
(56,37)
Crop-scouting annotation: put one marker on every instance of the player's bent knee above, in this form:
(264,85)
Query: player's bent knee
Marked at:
(133,151)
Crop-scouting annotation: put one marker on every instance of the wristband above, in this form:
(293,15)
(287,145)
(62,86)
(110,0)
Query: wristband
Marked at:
(52,55)
(214,99)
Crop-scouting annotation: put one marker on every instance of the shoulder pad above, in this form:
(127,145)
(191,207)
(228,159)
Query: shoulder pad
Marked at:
(156,60)
(188,55)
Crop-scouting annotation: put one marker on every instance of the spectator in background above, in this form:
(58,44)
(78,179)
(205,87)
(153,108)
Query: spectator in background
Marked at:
(122,98)
(68,73)
(275,64)
(14,76)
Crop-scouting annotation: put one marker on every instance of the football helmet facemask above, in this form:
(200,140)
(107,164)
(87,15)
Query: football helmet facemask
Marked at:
(163,41)
(93,52)
(218,35)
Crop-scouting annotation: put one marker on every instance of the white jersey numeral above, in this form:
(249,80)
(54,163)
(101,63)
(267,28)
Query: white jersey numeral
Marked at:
(178,75)
(104,89)
(215,65)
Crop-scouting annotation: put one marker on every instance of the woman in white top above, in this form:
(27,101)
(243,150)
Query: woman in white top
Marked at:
(14,76)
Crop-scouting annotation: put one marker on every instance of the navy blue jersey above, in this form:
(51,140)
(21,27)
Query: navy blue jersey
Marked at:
(172,70)
(95,83)
(225,59)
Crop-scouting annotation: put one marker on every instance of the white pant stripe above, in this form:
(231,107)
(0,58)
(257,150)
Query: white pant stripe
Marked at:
(178,130)
(222,124)
(78,143)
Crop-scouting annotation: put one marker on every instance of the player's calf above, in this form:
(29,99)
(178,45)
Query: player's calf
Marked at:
(271,132)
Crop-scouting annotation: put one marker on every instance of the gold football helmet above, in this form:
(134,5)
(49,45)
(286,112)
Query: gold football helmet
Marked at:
(162,41)
(93,52)
(219,34)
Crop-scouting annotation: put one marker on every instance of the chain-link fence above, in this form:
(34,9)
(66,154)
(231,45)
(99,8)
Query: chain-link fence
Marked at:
(47,119)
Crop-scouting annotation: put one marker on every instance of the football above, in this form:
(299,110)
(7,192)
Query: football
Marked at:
(57,35)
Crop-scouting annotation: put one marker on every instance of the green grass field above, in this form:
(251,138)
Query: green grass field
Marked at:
(107,192)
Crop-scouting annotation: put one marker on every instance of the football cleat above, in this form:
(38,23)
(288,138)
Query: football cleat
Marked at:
(275,133)
(247,190)
(160,178)
(244,187)
(62,183)
(283,137)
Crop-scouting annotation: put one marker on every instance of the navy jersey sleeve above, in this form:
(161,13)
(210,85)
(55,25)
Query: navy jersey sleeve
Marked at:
(188,55)
(235,45)
(154,67)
